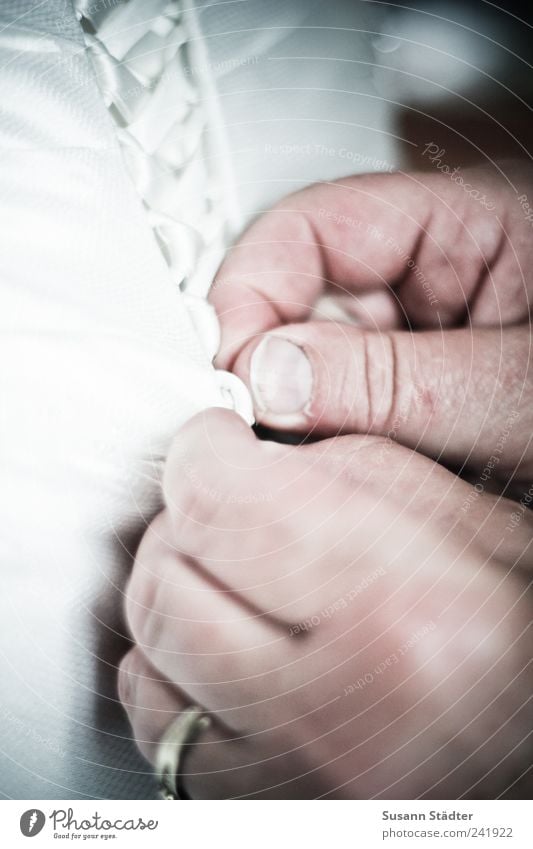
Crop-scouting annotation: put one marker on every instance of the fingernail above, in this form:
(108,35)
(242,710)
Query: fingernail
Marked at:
(281,376)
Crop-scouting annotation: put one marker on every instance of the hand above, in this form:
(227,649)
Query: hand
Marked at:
(389,253)
(354,620)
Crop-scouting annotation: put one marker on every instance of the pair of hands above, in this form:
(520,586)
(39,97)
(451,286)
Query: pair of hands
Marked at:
(353,615)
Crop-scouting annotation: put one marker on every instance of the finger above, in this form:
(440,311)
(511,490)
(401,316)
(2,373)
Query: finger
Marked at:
(150,700)
(466,601)
(262,519)
(197,633)
(427,492)
(453,395)
(216,766)
(452,687)
(421,240)
(296,553)
(220,764)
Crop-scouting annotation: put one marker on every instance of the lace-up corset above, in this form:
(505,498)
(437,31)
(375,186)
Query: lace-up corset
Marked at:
(153,73)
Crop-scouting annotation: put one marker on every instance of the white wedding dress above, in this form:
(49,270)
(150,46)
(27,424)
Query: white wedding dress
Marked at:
(136,141)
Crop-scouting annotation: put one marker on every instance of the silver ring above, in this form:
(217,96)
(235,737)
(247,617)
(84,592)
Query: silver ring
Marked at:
(183,731)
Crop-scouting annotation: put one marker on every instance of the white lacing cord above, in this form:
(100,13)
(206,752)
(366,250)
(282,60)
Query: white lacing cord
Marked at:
(152,71)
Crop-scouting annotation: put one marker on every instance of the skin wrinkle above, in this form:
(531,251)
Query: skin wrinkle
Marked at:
(395,381)
(366,368)
(343,390)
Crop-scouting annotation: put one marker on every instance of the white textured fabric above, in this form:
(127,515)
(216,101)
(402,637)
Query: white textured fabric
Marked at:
(168,129)
(101,361)
(100,366)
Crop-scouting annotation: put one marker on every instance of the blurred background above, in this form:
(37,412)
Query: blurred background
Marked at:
(461,74)
(313,90)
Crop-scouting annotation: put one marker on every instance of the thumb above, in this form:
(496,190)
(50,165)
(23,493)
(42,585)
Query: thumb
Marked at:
(458,395)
